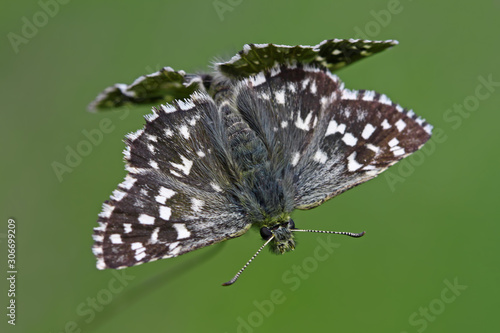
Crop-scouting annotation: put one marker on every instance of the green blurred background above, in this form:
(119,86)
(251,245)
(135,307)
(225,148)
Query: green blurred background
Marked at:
(431,220)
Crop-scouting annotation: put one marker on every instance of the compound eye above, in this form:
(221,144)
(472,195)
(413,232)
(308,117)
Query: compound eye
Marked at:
(265,233)
(291,224)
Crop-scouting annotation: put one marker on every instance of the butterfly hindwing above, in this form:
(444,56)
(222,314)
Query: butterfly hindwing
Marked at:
(162,86)
(332,54)
(174,198)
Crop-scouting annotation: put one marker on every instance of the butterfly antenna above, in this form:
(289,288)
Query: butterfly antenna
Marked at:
(233,280)
(351,234)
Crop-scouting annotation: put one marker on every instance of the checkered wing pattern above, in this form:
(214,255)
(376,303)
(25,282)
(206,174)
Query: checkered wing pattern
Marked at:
(332,54)
(162,86)
(174,198)
(334,138)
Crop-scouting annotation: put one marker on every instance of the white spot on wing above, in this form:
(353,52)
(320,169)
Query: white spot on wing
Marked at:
(167,108)
(182,232)
(275,71)
(134,135)
(295,159)
(333,128)
(349,139)
(168,132)
(134,170)
(349,94)
(106,210)
(118,195)
(116,239)
(184,131)
(165,213)
(98,238)
(400,124)
(154,236)
(136,246)
(313,88)
(373,148)
(352,164)
(101,228)
(305,83)
(140,256)
(428,128)
(173,245)
(369,96)
(186,104)
(258,79)
(393,142)
(280,97)
(197,205)
(367,131)
(164,194)
(216,187)
(385,100)
(399,152)
(127,227)
(303,124)
(323,101)
(175,173)
(175,251)
(320,157)
(385,124)
(153,164)
(185,167)
(146,219)
(126,153)
(97,250)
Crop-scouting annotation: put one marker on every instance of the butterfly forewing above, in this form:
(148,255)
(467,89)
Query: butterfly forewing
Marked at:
(365,134)
(174,198)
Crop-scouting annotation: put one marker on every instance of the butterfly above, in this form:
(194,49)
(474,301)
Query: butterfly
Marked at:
(267,132)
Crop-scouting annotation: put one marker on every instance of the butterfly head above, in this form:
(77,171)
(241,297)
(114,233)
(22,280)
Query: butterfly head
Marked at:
(283,240)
